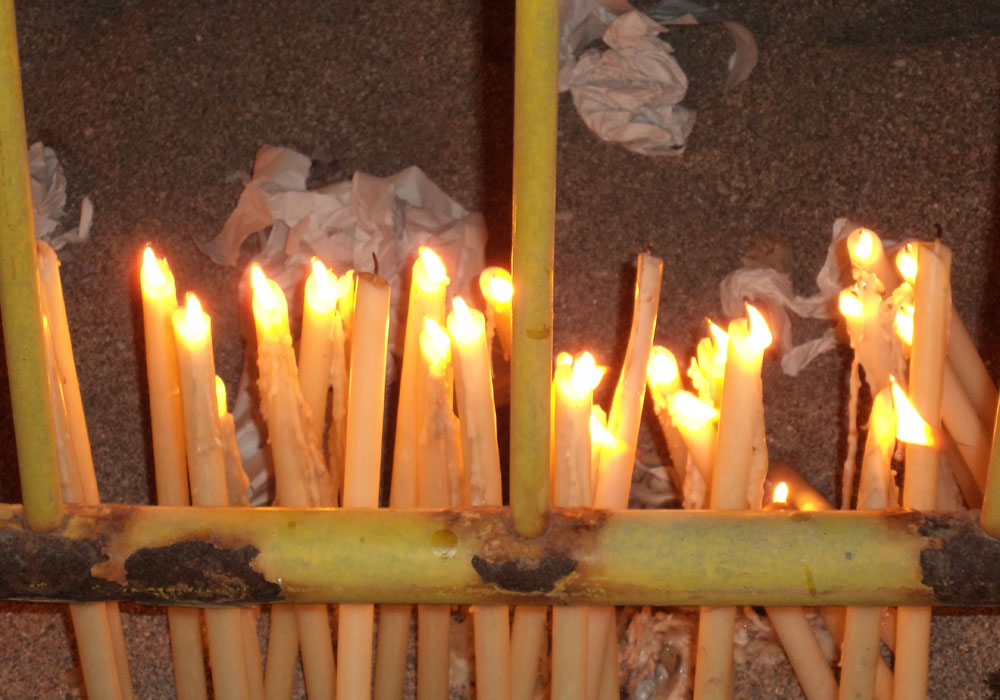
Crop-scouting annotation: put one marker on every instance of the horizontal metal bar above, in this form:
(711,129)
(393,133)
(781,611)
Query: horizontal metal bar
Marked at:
(211,556)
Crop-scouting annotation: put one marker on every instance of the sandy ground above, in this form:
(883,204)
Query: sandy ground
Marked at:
(884,111)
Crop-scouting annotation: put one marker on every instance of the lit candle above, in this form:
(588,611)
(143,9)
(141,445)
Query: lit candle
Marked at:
(708,365)
(571,488)
(316,343)
(363,463)
(159,301)
(663,380)
(495,284)
(741,404)
(932,307)
(481,465)
(300,475)
(860,651)
(207,476)
(696,422)
(868,256)
(437,455)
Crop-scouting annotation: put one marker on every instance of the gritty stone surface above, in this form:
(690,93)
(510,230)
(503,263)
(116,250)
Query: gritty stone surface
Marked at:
(884,111)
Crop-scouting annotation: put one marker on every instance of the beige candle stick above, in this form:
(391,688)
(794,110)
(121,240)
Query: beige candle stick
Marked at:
(207,477)
(495,284)
(336,435)
(363,460)
(737,425)
(316,343)
(159,301)
(481,465)
(435,453)
(663,381)
(301,479)
(238,488)
(282,651)
(932,307)
(860,648)
(571,488)
(966,361)
(54,309)
(348,288)
(527,645)
(428,282)
(697,424)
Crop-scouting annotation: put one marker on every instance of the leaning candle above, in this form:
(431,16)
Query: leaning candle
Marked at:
(481,462)
(868,256)
(663,380)
(741,403)
(932,307)
(860,651)
(495,284)
(362,464)
(159,301)
(207,476)
(301,479)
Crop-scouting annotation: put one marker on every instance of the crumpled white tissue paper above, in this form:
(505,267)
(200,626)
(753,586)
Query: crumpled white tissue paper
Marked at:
(48,199)
(773,290)
(367,223)
(631,92)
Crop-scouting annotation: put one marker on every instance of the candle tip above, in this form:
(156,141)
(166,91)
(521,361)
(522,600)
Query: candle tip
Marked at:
(780,493)
(760,334)
(910,425)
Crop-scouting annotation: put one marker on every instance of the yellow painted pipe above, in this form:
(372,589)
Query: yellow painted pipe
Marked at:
(20,305)
(536,65)
(205,556)
(991,494)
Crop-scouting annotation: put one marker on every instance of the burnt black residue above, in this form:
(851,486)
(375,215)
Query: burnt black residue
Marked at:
(524,575)
(197,572)
(51,567)
(963,571)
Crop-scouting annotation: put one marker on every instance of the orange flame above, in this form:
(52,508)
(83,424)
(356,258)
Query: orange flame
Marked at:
(720,343)
(194,325)
(586,374)
(864,246)
(466,325)
(155,276)
(322,289)
(850,305)
(262,292)
(910,426)
(600,435)
(496,285)
(220,396)
(434,274)
(662,370)
(760,334)
(780,493)
(689,412)
(904,323)
(906,262)
(434,342)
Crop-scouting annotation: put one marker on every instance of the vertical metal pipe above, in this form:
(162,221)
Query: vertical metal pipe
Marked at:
(20,305)
(536,61)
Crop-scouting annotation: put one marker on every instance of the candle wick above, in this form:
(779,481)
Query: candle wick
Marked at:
(375,263)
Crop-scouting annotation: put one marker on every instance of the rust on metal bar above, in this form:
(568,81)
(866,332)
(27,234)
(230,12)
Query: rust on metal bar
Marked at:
(219,556)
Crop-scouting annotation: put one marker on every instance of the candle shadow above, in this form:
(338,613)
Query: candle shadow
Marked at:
(496,125)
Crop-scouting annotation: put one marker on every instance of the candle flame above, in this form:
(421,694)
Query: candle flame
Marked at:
(466,325)
(910,426)
(194,325)
(263,295)
(586,374)
(322,288)
(904,323)
(436,275)
(496,285)
(345,284)
(720,342)
(662,370)
(689,412)
(906,263)
(600,435)
(564,359)
(220,396)
(864,246)
(434,342)
(850,305)
(155,275)
(760,334)
(780,493)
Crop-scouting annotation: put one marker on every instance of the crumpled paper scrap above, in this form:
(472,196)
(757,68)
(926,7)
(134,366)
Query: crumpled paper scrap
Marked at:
(773,290)
(631,92)
(367,223)
(48,199)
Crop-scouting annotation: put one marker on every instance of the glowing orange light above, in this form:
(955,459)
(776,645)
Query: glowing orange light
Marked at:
(345,285)
(662,371)
(904,323)
(220,396)
(322,289)
(720,343)
(906,262)
(910,427)
(496,285)
(466,325)
(689,412)
(601,436)
(780,493)
(434,342)
(155,276)
(564,359)
(865,245)
(263,295)
(760,334)
(850,305)
(586,374)
(195,324)
(433,276)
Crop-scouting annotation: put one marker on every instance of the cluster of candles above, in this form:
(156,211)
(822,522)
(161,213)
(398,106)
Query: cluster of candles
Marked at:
(323,411)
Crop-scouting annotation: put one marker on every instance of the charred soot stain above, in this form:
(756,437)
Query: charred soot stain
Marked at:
(51,566)
(197,571)
(962,568)
(524,575)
